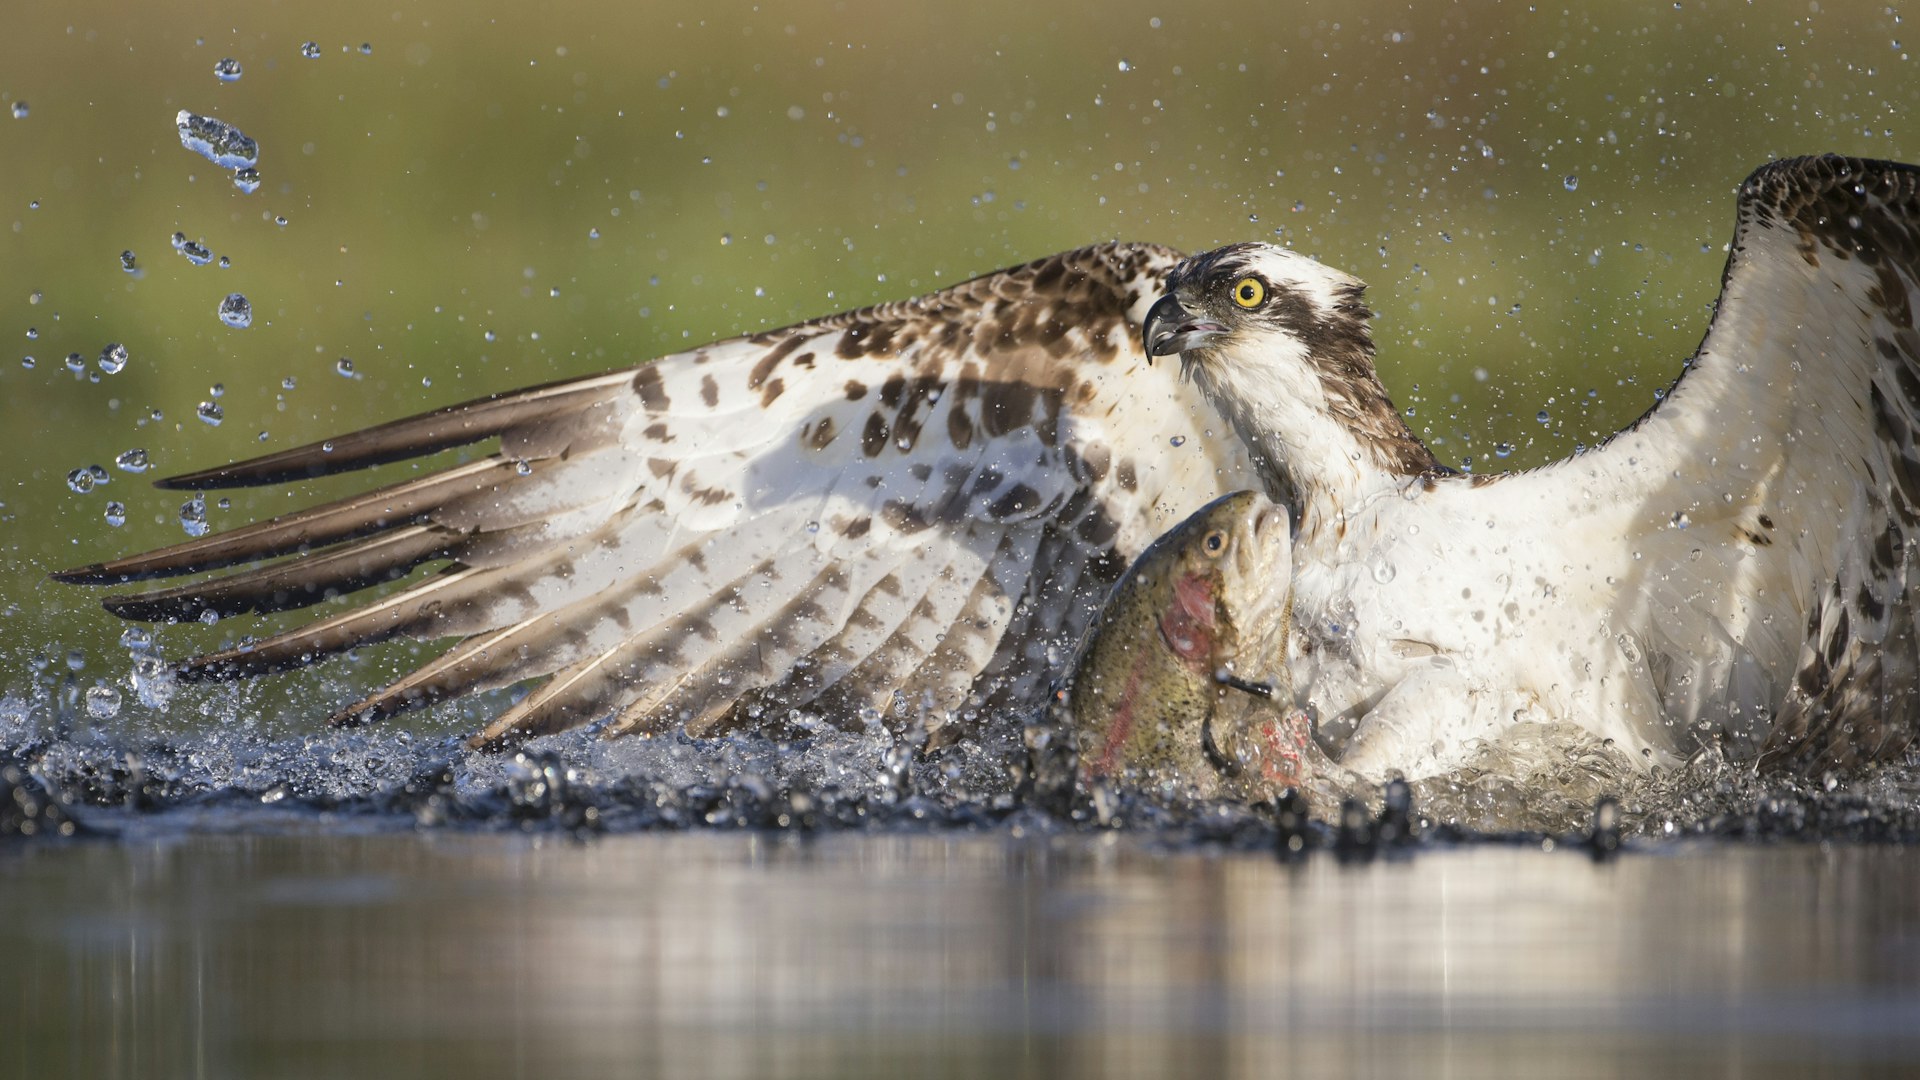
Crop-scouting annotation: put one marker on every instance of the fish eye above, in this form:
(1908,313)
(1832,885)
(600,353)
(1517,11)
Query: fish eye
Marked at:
(1215,542)
(1249,292)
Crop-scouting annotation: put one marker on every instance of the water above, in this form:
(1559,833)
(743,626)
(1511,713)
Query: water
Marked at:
(216,140)
(765,955)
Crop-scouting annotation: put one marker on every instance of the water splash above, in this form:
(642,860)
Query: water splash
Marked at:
(236,312)
(216,140)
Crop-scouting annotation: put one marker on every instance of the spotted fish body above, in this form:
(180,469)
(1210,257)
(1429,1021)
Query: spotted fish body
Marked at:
(1182,687)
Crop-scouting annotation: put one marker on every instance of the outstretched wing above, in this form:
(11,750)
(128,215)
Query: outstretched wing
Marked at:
(1767,506)
(925,497)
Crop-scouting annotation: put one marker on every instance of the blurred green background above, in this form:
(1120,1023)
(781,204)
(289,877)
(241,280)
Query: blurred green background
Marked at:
(494,194)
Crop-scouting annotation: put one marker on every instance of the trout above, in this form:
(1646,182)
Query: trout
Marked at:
(1182,687)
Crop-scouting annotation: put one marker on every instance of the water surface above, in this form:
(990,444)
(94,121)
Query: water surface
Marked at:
(751,954)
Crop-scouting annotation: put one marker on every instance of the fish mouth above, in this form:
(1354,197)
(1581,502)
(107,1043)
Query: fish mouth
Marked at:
(1268,559)
(1170,328)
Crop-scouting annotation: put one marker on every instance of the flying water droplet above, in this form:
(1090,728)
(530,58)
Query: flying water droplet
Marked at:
(1178,440)
(211,412)
(113,359)
(216,140)
(76,363)
(1681,520)
(236,312)
(85,479)
(1571,182)
(344,367)
(196,253)
(116,514)
(1502,449)
(227,70)
(1126,65)
(311,50)
(193,516)
(103,702)
(128,263)
(19,110)
(247,180)
(134,460)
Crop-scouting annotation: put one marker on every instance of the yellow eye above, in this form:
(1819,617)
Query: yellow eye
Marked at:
(1216,541)
(1248,292)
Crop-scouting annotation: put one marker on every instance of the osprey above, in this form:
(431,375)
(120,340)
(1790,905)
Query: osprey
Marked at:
(923,503)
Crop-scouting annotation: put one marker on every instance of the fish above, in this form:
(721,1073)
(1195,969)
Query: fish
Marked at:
(1181,687)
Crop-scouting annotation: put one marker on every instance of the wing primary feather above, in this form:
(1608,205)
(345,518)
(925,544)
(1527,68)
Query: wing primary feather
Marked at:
(469,666)
(298,582)
(415,436)
(348,519)
(402,613)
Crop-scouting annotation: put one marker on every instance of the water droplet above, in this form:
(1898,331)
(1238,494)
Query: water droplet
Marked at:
(1178,440)
(247,180)
(1543,416)
(127,262)
(1384,571)
(344,367)
(76,363)
(725,239)
(133,461)
(103,702)
(211,412)
(20,110)
(311,50)
(1501,449)
(227,70)
(236,312)
(1126,65)
(216,140)
(366,48)
(82,480)
(1681,521)
(116,514)
(33,333)
(193,516)
(113,359)
(523,467)
(27,362)
(1571,182)
(196,253)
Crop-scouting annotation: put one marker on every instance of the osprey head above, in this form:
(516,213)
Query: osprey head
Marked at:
(1279,344)
(1248,294)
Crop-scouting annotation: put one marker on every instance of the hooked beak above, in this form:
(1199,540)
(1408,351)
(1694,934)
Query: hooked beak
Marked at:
(1171,329)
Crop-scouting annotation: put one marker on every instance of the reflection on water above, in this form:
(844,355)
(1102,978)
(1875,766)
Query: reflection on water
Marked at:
(745,954)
